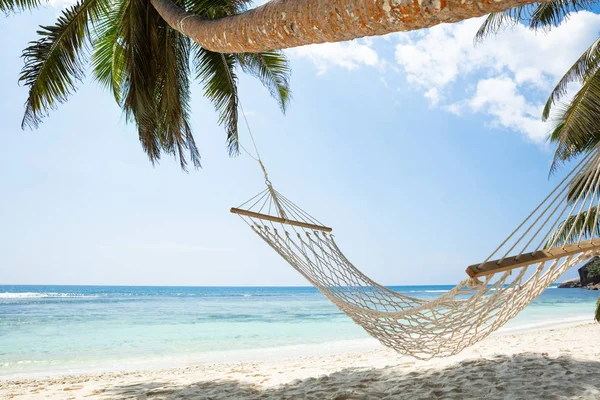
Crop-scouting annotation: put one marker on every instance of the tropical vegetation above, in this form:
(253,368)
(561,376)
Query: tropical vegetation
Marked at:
(147,66)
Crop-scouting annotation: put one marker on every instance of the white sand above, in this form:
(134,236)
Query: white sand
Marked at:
(550,363)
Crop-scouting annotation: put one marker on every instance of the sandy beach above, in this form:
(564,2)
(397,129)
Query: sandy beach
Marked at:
(550,363)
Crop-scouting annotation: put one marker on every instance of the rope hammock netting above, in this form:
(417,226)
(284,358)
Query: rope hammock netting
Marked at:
(561,232)
(553,238)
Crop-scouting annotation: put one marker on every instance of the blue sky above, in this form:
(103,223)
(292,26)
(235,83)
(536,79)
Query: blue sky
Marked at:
(421,151)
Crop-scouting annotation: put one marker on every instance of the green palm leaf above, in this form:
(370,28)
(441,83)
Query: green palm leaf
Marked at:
(585,221)
(145,63)
(585,65)
(576,124)
(147,67)
(552,13)
(55,62)
(273,70)
(497,21)
(217,8)
(108,58)
(173,95)
(9,6)
(216,71)
(139,39)
(543,15)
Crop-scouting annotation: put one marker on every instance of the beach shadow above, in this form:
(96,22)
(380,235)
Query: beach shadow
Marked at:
(524,376)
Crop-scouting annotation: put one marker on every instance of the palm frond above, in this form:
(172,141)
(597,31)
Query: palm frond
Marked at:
(151,75)
(597,313)
(216,72)
(273,70)
(576,124)
(108,57)
(579,184)
(217,8)
(552,13)
(541,15)
(585,65)
(580,222)
(173,95)
(139,38)
(497,21)
(54,63)
(11,6)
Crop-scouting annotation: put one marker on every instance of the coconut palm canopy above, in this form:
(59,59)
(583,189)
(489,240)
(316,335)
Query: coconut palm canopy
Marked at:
(146,65)
(141,51)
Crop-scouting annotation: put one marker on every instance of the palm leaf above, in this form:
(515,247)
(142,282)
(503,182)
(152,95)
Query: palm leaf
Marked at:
(497,21)
(216,72)
(597,314)
(580,222)
(273,70)
(585,65)
(108,58)
(542,15)
(151,77)
(552,13)
(54,63)
(173,95)
(580,183)
(139,38)
(217,8)
(9,6)
(576,124)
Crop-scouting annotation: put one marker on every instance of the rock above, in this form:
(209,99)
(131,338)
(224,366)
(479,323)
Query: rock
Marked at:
(571,283)
(593,287)
(584,275)
(588,276)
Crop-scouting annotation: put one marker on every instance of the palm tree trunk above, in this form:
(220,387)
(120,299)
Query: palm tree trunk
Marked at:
(281,24)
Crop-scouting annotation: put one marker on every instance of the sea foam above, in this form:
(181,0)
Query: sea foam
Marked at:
(34,295)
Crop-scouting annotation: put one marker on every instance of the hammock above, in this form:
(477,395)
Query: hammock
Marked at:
(552,239)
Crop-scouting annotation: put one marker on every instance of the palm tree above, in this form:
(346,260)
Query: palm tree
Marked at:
(576,124)
(147,66)
(141,50)
(281,24)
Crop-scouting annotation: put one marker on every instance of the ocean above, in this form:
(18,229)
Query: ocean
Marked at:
(62,329)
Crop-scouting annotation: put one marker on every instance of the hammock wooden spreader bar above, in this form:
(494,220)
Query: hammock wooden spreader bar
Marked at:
(540,256)
(272,218)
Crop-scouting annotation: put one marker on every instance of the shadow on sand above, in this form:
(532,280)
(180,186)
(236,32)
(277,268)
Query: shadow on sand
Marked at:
(524,376)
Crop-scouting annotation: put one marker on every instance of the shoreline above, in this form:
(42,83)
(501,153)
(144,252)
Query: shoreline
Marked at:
(261,354)
(560,360)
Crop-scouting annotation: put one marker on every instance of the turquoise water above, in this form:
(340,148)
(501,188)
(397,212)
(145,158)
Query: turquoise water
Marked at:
(48,328)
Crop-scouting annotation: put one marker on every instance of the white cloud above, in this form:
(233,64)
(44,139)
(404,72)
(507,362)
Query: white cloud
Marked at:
(60,4)
(500,98)
(513,70)
(348,55)
(433,95)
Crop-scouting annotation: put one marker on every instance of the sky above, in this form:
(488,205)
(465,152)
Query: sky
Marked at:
(421,150)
